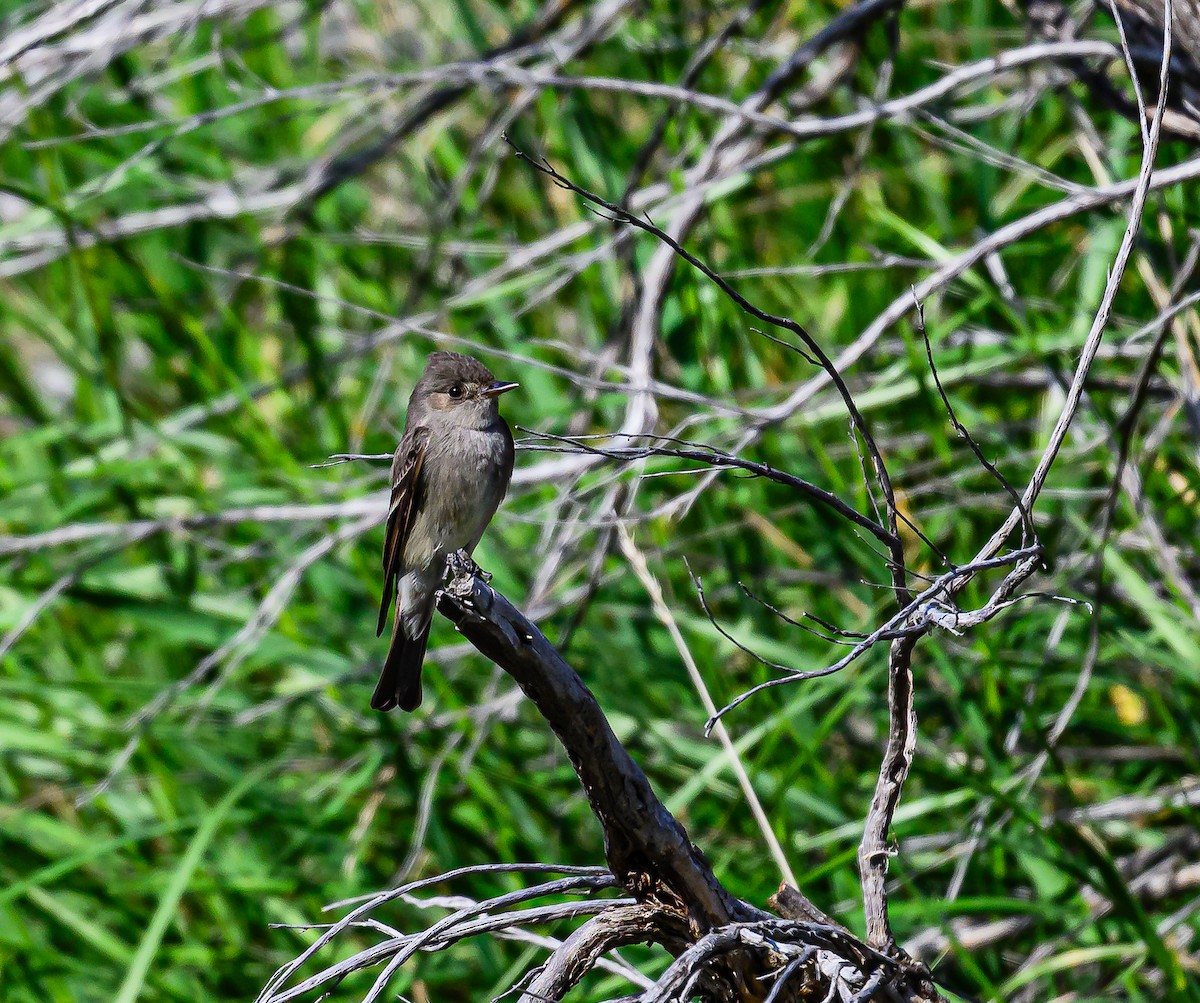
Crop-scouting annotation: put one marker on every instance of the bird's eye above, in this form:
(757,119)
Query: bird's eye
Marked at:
(455,391)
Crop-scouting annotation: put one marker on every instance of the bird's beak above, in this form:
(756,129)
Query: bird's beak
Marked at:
(498,388)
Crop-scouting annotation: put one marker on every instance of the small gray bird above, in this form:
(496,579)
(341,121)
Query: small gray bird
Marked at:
(449,474)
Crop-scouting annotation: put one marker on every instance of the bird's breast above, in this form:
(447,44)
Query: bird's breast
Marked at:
(465,476)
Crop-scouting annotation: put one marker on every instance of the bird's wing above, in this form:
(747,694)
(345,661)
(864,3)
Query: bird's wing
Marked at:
(407,489)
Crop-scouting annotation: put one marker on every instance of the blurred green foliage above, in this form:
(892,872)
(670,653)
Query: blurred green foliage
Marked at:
(183,331)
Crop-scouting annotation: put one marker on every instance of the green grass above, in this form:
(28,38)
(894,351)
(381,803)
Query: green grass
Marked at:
(191,369)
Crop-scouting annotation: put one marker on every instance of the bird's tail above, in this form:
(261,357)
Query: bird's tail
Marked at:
(400,681)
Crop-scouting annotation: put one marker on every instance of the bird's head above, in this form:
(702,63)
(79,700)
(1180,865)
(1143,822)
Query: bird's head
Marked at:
(460,390)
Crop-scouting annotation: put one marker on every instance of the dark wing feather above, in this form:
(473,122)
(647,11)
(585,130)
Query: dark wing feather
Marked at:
(407,490)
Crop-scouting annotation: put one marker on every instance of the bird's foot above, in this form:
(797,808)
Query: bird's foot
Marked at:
(460,565)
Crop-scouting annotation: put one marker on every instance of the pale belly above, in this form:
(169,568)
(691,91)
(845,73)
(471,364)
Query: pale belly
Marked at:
(460,498)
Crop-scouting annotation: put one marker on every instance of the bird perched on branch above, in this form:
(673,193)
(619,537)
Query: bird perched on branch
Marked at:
(450,473)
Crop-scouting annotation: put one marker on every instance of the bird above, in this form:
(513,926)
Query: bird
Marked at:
(449,475)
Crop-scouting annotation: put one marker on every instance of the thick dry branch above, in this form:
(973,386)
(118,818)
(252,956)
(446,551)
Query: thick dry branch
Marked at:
(681,903)
(647,849)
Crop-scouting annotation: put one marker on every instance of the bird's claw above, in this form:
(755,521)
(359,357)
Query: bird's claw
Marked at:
(460,565)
